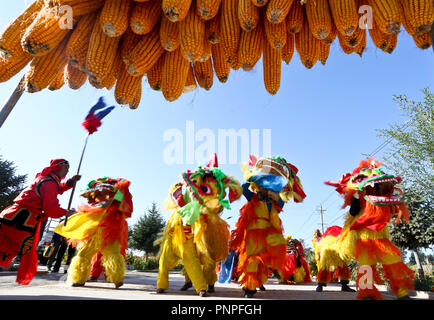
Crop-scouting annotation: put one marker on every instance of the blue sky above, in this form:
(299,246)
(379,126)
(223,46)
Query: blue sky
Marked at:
(322,120)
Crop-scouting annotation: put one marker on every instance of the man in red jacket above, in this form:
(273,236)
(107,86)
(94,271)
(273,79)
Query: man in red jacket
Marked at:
(20,223)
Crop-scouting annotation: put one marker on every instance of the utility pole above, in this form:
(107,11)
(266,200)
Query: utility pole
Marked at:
(321,210)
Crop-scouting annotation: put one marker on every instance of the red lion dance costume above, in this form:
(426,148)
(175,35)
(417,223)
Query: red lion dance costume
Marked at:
(296,268)
(100,226)
(373,199)
(20,223)
(258,234)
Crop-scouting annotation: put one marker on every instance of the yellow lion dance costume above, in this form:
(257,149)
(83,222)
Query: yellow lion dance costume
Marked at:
(373,199)
(100,226)
(195,232)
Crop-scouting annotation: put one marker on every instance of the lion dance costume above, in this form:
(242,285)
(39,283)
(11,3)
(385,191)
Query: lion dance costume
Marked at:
(258,234)
(373,199)
(330,264)
(195,232)
(296,268)
(100,226)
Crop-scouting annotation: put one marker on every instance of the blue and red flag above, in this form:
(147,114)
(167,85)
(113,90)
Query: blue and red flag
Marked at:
(93,120)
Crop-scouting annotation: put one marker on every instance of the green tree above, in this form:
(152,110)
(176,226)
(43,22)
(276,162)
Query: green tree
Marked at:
(146,230)
(411,156)
(11,184)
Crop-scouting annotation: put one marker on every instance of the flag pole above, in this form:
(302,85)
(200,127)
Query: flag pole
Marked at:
(12,101)
(78,171)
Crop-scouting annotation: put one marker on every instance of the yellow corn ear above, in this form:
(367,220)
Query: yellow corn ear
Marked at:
(272,64)
(204,74)
(135,102)
(319,18)
(145,54)
(78,7)
(221,66)
(44,33)
(384,41)
(207,9)
(115,17)
(78,43)
(248,14)
(331,36)
(190,83)
(324,52)
(360,48)
(101,55)
(423,41)
(206,51)
(212,29)
(307,46)
(10,67)
(58,82)
(408,26)
(260,3)
(129,40)
(295,18)
(176,10)
(175,71)
(345,15)
(277,10)
(191,36)
(155,74)
(288,49)
(276,33)
(420,13)
(250,49)
(353,40)
(10,39)
(230,30)
(387,13)
(145,16)
(169,34)
(126,87)
(344,44)
(43,70)
(74,77)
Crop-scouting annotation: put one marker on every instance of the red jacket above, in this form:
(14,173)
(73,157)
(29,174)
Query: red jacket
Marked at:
(40,200)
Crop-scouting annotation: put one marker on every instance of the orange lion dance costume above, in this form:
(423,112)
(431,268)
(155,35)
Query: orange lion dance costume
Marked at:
(373,199)
(100,226)
(259,235)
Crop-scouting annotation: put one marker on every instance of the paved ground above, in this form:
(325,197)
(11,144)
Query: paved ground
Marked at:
(142,286)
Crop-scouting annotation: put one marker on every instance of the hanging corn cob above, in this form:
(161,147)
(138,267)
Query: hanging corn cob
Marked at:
(110,42)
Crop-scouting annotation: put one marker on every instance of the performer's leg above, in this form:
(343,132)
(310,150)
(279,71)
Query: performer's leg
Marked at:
(367,275)
(193,267)
(187,282)
(81,263)
(168,260)
(399,275)
(344,275)
(96,266)
(114,263)
(210,277)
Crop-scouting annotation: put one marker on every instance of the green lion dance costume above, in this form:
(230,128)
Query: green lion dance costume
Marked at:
(373,199)
(195,232)
(100,226)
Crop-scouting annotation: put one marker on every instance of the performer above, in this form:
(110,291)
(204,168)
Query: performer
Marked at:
(296,269)
(20,223)
(195,232)
(102,227)
(258,234)
(330,264)
(374,199)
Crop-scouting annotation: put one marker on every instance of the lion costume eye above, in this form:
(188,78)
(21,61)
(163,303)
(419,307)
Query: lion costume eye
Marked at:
(207,190)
